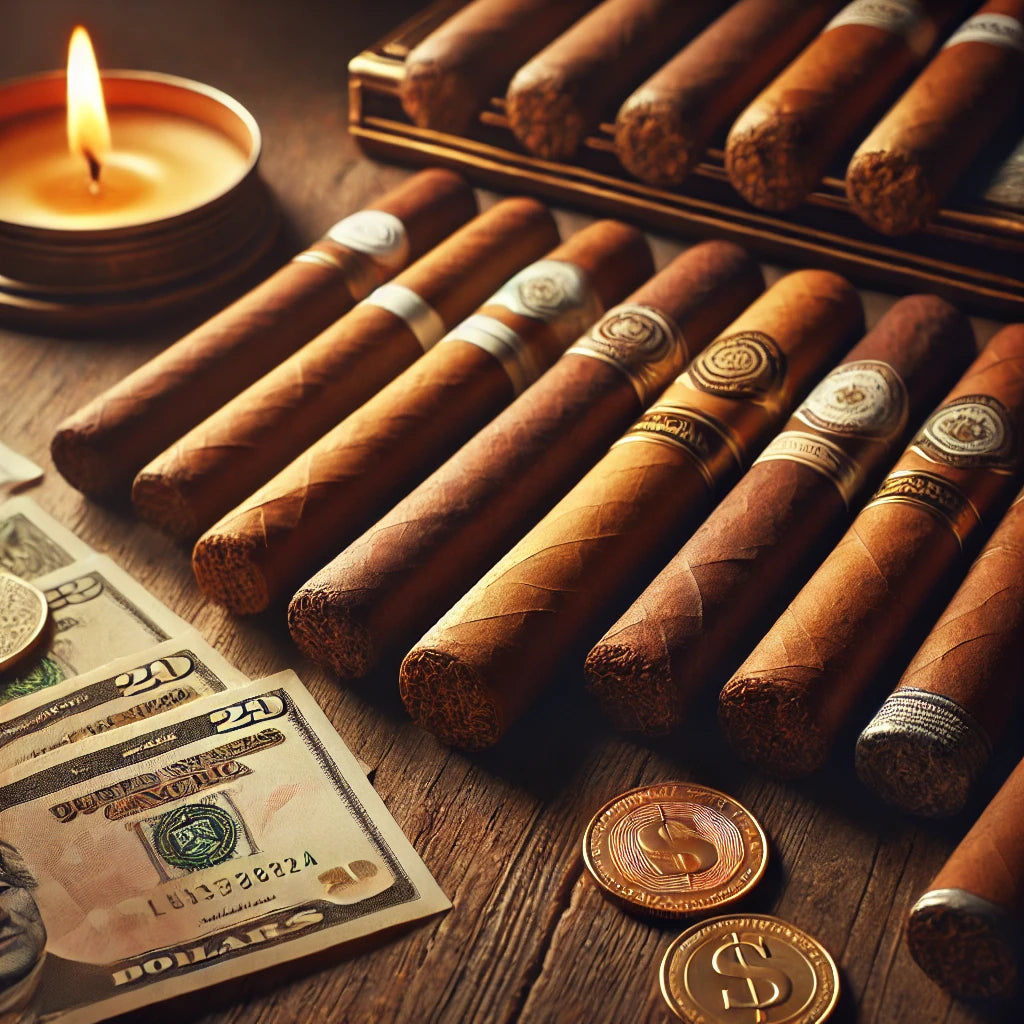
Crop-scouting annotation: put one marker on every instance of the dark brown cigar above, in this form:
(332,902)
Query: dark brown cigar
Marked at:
(782,143)
(242,445)
(752,553)
(906,167)
(103,445)
(785,704)
(931,739)
(324,499)
(384,590)
(662,130)
(552,595)
(560,95)
(965,932)
(453,73)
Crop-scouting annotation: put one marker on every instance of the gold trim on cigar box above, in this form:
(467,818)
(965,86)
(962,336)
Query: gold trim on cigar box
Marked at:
(935,494)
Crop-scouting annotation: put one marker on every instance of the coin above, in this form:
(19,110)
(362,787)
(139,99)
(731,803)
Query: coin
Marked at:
(675,849)
(749,969)
(23,614)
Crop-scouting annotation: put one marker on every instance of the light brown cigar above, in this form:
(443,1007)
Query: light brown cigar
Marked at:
(551,596)
(782,143)
(847,626)
(223,460)
(384,590)
(750,556)
(452,74)
(662,130)
(908,165)
(930,740)
(965,932)
(324,499)
(560,95)
(102,446)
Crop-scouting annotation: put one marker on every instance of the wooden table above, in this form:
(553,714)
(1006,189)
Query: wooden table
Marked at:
(531,938)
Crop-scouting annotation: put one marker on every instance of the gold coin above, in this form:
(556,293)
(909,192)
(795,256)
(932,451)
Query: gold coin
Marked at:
(675,849)
(23,614)
(749,969)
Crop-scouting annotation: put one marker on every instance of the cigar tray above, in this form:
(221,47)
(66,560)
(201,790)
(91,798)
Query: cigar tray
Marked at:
(971,254)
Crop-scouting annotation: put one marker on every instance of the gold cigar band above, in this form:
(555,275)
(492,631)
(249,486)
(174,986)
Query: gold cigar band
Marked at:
(821,455)
(936,495)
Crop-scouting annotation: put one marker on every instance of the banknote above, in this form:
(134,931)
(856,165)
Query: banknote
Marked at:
(32,543)
(16,470)
(130,689)
(97,613)
(236,834)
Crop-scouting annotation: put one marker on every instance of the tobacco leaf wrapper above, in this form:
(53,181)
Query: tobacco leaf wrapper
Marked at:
(543,604)
(384,590)
(904,551)
(343,483)
(750,556)
(100,448)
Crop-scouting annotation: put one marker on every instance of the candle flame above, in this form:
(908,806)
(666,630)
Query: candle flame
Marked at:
(88,128)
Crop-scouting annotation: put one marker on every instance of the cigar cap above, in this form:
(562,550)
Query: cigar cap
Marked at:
(966,944)
(922,752)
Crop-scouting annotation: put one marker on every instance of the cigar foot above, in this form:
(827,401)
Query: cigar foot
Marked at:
(161,505)
(545,120)
(635,693)
(653,144)
(922,752)
(964,943)
(85,468)
(771,724)
(443,696)
(769,167)
(889,192)
(226,573)
(443,101)
(326,633)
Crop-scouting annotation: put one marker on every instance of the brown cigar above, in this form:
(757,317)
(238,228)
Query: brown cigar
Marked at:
(751,554)
(384,590)
(785,704)
(931,739)
(907,166)
(324,499)
(560,95)
(965,932)
(551,596)
(223,460)
(453,73)
(782,143)
(663,129)
(103,445)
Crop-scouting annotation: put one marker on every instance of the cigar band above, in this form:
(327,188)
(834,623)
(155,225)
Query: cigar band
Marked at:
(900,17)
(708,442)
(550,290)
(419,316)
(996,29)
(643,344)
(864,398)
(375,233)
(936,495)
(503,343)
(972,432)
(821,455)
(748,365)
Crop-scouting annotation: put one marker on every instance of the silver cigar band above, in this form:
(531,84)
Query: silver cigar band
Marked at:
(420,317)
(377,234)
(503,343)
(821,455)
(551,290)
(996,29)
(906,18)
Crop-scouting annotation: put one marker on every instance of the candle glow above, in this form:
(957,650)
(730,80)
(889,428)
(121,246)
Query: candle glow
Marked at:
(87,125)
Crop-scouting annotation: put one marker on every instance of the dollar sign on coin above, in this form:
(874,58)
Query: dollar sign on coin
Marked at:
(23,615)
(738,958)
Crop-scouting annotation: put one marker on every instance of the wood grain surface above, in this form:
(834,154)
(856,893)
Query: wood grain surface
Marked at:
(530,938)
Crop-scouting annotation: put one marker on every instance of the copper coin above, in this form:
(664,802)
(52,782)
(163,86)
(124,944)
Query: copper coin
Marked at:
(23,614)
(675,849)
(749,969)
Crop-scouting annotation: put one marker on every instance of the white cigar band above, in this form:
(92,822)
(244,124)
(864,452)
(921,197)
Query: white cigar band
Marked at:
(817,453)
(995,29)
(504,344)
(419,316)
(906,18)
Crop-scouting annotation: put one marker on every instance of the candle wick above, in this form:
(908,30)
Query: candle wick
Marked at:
(94,172)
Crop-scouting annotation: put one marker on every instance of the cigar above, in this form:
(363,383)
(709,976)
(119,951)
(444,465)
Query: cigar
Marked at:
(380,594)
(101,447)
(750,556)
(324,499)
(965,932)
(663,129)
(849,623)
(781,145)
(908,165)
(560,95)
(224,459)
(933,736)
(544,603)
(452,74)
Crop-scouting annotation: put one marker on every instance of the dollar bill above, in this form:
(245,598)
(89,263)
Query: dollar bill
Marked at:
(32,543)
(16,470)
(131,689)
(237,834)
(97,613)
